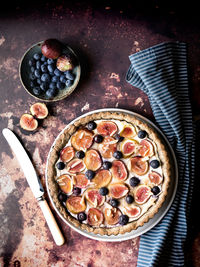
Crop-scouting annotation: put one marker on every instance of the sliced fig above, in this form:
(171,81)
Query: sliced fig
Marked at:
(146,148)
(28,122)
(65,183)
(112,215)
(75,166)
(132,211)
(64,63)
(108,147)
(67,153)
(102,178)
(155,178)
(81,181)
(138,165)
(51,48)
(82,139)
(75,204)
(39,110)
(92,160)
(119,170)
(118,190)
(128,147)
(142,194)
(128,131)
(107,128)
(93,196)
(95,217)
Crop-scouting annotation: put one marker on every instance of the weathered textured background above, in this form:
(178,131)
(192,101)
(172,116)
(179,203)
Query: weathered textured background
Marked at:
(103,35)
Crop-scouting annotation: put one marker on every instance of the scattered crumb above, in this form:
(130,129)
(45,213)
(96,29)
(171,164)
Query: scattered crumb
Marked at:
(85,107)
(139,101)
(115,76)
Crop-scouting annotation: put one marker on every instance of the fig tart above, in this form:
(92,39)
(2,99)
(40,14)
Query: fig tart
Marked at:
(108,173)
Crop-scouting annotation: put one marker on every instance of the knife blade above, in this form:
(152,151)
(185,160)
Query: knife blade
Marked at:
(33,182)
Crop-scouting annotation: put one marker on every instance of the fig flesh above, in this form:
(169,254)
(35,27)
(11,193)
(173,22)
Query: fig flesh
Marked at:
(108,147)
(51,48)
(81,181)
(95,217)
(146,148)
(112,215)
(102,178)
(65,183)
(94,197)
(64,63)
(142,194)
(82,139)
(75,166)
(118,190)
(92,160)
(119,170)
(75,204)
(39,110)
(128,147)
(132,211)
(28,122)
(107,128)
(155,178)
(67,153)
(128,131)
(138,165)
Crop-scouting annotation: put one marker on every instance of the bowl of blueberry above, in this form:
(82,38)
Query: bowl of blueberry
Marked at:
(50,70)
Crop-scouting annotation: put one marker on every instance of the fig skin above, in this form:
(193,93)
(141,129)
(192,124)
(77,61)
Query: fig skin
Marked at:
(64,63)
(39,110)
(28,122)
(51,48)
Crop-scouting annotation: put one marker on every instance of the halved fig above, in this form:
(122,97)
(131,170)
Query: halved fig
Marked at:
(138,165)
(67,153)
(81,181)
(102,178)
(28,122)
(82,139)
(146,148)
(118,190)
(75,166)
(155,178)
(142,194)
(64,63)
(39,110)
(107,128)
(65,182)
(119,170)
(112,215)
(132,211)
(128,147)
(108,147)
(92,160)
(93,196)
(128,131)
(75,204)
(95,217)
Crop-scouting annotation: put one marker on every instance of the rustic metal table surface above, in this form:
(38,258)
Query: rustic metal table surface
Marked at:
(103,36)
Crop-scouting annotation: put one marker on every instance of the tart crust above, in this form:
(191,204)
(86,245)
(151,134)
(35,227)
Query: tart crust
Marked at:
(62,140)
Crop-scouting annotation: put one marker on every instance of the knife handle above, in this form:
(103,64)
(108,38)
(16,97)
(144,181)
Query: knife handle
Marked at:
(51,222)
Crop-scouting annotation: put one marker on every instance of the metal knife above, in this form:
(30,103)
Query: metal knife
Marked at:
(34,183)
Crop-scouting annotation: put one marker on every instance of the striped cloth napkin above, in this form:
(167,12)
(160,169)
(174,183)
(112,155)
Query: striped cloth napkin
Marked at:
(161,72)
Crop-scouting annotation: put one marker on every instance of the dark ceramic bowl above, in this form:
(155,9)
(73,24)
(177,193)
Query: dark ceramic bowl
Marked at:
(24,73)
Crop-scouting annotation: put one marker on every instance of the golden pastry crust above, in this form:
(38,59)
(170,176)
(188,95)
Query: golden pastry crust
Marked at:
(62,140)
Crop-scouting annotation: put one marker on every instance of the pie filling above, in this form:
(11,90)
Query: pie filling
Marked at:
(109,173)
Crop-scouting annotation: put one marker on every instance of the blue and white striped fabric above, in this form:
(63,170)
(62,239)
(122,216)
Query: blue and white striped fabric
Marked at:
(161,72)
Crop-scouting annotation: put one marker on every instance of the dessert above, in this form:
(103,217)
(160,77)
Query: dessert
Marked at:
(114,176)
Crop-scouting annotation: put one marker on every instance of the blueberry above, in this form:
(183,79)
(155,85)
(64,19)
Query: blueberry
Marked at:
(32,69)
(129,199)
(155,164)
(51,74)
(91,125)
(62,76)
(57,72)
(36,56)
(52,85)
(60,85)
(119,138)
(62,197)
(43,68)
(134,181)
(44,86)
(45,77)
(155,190)
(80,154)
(76,191)
(117,154)
(107,165)
(50,61)
(90,174)
(51,68)
(37,73)
(69,83)
(43,58)
(142,134)
(98,138)
(51,93)
(39,81)
(38,64)
(114,202)
(33,83)
(31,62)
(123,219)
(103,191)
(69,75)
(37,91)
(60,165)
(55,79)
(32,76)
(82,216)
